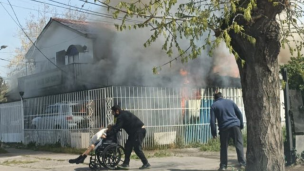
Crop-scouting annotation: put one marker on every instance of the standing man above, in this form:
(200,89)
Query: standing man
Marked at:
(230,123)
(135,129)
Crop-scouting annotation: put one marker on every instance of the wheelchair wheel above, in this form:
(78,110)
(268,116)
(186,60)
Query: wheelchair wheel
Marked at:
(113,155)
(99,154)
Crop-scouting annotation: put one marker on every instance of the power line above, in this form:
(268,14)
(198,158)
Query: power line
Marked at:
(81,10)
(32,41)
(68,8)
(5,60)
(107,15)
(100,5)
(55,14)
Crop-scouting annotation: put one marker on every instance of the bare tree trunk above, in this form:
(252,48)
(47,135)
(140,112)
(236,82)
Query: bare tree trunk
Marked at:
(261,89)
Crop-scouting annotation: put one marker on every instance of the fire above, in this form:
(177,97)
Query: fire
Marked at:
(183,72)
(186,93)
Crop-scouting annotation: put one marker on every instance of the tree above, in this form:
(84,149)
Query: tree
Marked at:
(253,31)
(3,90)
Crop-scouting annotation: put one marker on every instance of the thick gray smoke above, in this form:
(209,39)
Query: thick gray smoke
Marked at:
(127,62)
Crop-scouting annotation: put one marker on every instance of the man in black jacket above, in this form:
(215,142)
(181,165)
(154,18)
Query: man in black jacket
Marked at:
(230,123)
(135,129)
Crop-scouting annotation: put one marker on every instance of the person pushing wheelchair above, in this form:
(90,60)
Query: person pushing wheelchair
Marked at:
(136,133)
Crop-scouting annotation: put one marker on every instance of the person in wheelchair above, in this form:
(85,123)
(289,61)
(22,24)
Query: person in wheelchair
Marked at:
(96,140)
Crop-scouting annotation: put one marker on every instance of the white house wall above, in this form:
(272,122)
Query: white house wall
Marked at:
(57,38)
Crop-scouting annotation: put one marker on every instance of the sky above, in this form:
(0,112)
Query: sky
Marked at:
(23,9)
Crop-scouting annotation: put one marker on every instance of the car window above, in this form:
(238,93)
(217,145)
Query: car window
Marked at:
(78,109)
(52,110)
(65,109)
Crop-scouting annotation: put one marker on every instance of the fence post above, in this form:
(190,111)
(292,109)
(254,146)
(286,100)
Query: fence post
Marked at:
(22,120)
(289,152)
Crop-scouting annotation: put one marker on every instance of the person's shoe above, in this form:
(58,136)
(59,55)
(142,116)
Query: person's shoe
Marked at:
(81,159)
(222,168)
(123,166)
(145,166)
(243,165)
(75,160)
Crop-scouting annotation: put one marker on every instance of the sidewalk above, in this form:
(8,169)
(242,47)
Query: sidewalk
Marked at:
(182,160)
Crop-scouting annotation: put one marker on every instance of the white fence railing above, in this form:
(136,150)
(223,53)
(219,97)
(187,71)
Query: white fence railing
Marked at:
(11,122)
(173,116)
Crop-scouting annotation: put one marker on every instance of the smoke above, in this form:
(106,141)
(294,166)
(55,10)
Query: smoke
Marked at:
(285,55)
(224,63)
(128,62)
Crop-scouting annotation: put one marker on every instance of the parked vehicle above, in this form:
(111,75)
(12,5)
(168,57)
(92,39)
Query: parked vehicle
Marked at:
(62,116)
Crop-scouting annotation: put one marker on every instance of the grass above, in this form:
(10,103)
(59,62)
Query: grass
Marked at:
(42,158)
(211,145)
(2,151)
(17,162)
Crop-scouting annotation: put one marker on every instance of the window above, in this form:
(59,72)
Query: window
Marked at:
(52,110)
(65,108)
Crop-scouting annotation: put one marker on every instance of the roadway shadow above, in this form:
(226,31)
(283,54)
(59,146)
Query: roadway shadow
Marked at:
(190,170)
(97,169)
(88,169)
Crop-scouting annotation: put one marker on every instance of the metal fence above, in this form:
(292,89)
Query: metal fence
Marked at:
(11,122)
(173,116)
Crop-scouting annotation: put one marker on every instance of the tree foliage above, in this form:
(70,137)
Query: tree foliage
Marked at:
(295,70)
(3,90)
(191,20)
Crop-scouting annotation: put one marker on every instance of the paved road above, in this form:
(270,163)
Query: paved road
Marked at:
(185,160)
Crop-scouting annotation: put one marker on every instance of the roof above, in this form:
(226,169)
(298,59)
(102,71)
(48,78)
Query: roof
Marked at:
(84,27)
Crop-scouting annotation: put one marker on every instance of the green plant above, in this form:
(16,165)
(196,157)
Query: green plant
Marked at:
(180,142)
(162,153)
(2,150)
(31,145)
(211,145)
(194,145)
(16,162)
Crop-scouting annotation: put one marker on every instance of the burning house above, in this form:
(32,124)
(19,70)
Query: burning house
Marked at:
(80,69)
(71,55)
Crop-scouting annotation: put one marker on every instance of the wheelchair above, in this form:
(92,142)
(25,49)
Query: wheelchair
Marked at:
(107,154)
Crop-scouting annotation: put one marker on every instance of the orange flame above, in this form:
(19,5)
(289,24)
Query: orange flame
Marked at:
(183,72)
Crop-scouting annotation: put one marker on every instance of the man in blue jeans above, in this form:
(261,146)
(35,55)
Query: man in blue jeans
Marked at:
(230,123)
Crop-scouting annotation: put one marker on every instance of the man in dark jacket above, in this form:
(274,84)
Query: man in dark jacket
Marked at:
(230,123)
(135,129)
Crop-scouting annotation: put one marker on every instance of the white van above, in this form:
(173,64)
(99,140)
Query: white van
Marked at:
(62,116)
